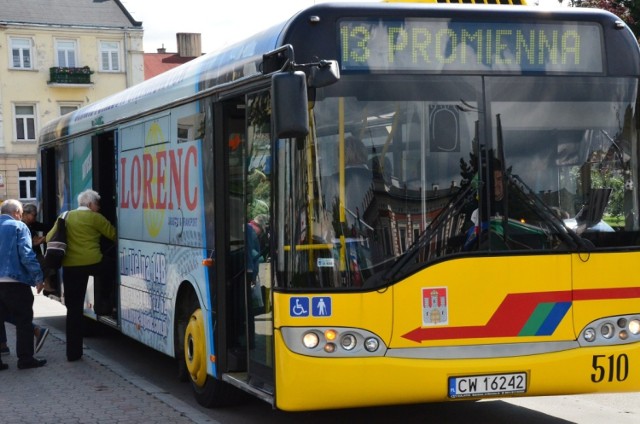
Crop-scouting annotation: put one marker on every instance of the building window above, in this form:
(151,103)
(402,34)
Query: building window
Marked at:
(68,108)
(27,183)
(109,56)
(66,53)
(25,122)
(21,53)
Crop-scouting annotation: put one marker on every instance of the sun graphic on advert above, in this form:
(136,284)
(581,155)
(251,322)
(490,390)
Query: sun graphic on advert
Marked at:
(154,142)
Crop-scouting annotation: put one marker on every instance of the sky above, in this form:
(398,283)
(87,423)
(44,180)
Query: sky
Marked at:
(220,22)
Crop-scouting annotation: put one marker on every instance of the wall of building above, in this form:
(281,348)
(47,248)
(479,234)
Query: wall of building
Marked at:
(34,86)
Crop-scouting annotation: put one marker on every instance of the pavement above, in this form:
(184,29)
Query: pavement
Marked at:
(94,389)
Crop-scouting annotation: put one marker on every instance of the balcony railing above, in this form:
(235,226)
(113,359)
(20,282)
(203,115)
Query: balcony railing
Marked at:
(64,75)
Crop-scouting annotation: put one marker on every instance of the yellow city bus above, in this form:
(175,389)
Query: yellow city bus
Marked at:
(375,204)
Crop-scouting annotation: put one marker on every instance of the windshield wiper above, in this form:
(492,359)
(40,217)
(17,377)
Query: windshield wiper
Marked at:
(546,212)
(451,210)
(529,196)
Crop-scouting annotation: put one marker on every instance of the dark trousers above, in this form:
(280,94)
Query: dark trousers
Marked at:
(75,280)
(16,299)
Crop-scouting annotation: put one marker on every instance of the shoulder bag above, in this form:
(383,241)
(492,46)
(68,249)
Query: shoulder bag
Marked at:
(57,245)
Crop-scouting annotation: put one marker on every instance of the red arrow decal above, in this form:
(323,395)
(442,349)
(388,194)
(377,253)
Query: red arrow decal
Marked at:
(513,313)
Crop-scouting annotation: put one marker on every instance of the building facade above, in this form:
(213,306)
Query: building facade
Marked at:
(189,47)
(54,58)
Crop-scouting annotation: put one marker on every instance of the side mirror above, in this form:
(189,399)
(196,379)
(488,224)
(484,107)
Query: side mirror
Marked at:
(289,104)
(326,73)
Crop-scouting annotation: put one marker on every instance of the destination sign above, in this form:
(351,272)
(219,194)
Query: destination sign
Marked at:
(447,45)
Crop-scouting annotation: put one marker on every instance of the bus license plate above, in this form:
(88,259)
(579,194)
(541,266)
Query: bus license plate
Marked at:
(487,385)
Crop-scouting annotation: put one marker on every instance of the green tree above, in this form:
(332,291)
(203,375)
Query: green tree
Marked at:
(627,10)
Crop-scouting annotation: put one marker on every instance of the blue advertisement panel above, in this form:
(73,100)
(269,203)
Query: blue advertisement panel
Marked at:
(150,276)
(161,223)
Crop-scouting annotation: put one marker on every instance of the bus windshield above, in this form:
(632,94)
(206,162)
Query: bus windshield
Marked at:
(401,171)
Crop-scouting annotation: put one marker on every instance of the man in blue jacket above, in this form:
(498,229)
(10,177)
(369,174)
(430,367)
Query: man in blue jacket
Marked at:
(19,271)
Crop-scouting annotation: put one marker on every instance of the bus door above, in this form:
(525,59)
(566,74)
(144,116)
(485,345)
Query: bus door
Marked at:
(250,334)
(103,151)
(51,199)
(48,197)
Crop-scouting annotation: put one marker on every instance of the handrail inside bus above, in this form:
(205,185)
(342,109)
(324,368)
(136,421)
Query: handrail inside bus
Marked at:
(307,247)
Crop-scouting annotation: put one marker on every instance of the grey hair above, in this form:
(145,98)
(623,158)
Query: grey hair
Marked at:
(30,209)
(262,220)
(87,197)
(10,206)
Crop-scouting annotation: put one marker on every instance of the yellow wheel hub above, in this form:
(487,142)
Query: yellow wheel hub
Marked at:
(195,350)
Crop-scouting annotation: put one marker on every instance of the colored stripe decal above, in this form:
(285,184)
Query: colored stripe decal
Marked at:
(552,321)
(602,294)
(536,319)
(524,314)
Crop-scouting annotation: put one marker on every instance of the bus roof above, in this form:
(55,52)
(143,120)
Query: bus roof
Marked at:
(244,58)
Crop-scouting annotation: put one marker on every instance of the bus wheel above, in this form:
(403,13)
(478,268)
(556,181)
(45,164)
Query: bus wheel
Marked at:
(209,392)
(195,349)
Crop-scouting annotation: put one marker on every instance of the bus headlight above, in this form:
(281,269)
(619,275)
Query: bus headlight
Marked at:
(589,334)
(607,330)
(334,342)
(310,340)
(330,335)
(371,344)
(348,341)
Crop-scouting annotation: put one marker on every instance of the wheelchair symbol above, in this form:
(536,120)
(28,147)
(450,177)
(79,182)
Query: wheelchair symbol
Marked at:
(299,306)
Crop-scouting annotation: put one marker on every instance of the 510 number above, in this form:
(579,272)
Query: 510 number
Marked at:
(610,367)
